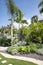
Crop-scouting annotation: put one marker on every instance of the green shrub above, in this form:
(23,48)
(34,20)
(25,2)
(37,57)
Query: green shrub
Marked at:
(28,49)
(4,41)
(33,48)
(39,45)
(40,51)
(15,51)
(12,50)
(20,43)
(22,49)
(25,49)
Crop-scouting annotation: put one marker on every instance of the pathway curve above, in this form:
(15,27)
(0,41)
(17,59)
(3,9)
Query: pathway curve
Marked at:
(39,62)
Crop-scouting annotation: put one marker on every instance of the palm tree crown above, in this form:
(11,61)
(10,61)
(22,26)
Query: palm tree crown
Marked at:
(41,5)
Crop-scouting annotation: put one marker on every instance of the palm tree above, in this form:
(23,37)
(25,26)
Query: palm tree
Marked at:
(20,17)
(34,19)
(24,22)
(13,11)
(20,20)
(41,5)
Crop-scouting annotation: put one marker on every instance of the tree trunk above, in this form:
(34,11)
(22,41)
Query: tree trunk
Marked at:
(12,32)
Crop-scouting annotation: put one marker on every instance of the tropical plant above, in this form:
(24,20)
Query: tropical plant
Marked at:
(20,20)
(34,19)
(13,11)
(12,50)
(41,5)
(4,41)
(24,22)
(20,17)
(32,33)
(36,35)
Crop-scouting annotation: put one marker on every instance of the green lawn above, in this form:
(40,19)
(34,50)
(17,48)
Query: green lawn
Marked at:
(14,61)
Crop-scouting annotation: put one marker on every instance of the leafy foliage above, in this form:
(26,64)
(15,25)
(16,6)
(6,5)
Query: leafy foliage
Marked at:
(32,33)
(5,42)
(41,5)
(33,48)
(12,50)
(34,19)
(22,49)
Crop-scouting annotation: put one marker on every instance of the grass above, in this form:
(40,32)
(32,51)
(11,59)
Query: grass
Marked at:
(14,61)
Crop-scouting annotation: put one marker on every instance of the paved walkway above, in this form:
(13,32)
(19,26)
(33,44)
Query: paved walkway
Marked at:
(39,62)
(3,49)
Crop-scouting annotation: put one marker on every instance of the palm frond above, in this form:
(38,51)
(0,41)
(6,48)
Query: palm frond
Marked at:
(41,10)
(40,4)
(12,8)
(24,21)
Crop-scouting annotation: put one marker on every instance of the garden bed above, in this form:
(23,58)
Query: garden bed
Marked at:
(32,55)
(30,51)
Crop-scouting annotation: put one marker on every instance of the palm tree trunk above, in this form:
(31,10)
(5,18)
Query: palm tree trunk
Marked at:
(12,32)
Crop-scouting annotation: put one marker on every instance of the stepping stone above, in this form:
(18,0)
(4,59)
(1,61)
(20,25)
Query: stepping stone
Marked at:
(4,61)
(0,58)
(9,64)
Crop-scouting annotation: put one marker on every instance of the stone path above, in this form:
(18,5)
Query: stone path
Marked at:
(3,49)
(39,62)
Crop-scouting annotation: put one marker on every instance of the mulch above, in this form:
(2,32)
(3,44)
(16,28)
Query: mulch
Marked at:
(33,55)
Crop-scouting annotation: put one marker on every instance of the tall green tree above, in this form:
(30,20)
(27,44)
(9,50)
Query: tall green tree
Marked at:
(20,20)
(13,11)
(41,5)
(20,17)
(34,19)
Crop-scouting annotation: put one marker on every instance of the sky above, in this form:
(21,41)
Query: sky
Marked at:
(28,7)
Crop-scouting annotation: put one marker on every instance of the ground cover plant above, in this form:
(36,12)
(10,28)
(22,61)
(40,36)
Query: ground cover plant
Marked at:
(29,49)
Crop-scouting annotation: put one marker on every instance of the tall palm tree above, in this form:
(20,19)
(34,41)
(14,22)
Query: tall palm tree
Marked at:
(41,5)
(20,17)
(20,20)
(13,11)
(34,19)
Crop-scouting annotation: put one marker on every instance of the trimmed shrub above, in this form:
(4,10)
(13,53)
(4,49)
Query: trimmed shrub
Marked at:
(12,50)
